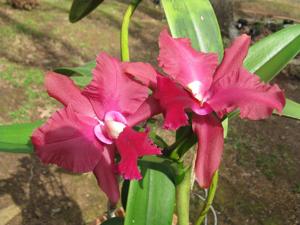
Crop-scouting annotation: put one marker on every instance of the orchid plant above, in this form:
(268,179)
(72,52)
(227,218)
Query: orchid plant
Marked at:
(106,127)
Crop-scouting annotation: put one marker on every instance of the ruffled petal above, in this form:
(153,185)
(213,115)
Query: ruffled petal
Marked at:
(244,91)
(147,110)
(105,172)
(67,139)
(174,100)
(233,57)
(186,65)
(112,90)
(210,147)
(143,72)
(64,90)
(132,145)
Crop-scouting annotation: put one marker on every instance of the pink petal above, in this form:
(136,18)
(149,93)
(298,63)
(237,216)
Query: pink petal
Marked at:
(244,91)
(210,147)
(64,90)
(67,139)
(184,64)
(105,172)
(143,72)
(132,145)
(148,109)
(112,90)
(115,116)
(233,57)
(102,135)
(174,100)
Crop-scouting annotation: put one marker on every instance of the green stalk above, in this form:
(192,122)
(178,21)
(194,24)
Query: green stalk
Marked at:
(125,29)
(183,199)
(209,199)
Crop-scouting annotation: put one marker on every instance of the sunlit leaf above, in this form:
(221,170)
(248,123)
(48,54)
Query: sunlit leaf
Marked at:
(16,138)
(194,19)
(270,55)
(292,109)
(150,200)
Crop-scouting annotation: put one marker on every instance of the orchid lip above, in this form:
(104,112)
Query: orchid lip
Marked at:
(113,125)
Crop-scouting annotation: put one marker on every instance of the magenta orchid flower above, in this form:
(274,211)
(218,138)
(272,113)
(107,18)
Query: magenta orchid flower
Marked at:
(210,91)
(96,122)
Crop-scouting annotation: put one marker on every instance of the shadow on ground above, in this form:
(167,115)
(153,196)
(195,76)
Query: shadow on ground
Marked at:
(58,51)
(40,195)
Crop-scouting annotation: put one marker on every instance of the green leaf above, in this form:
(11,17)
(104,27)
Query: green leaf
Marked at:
(85,70)
(151,200)
(16,138)
(81,8)
(82,75)
(269,56)
(292,109)
(195,19)
(170,168)
(114,221)
(81,81)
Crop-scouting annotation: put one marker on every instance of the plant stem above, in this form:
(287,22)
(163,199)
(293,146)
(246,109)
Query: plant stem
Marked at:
(183,199)
(125,29)
(209,199)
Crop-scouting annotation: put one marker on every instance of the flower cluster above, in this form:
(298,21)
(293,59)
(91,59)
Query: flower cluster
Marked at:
(97,122)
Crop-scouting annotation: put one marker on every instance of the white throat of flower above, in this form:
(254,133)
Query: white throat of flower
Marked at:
(114,128)
(195,88)
(111,127)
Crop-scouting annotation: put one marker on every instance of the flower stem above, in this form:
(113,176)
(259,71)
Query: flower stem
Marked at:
(125,29)
(183,198)
(209,199)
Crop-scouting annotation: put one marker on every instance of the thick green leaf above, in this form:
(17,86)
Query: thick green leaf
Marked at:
(292,109)
(194,19)
(170,168)
(81,8)
(269,56)
(114,221)
(85,70)
(151,200)
(16,138)
(174,170)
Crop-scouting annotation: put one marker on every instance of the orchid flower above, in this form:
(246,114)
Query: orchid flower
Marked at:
(196,83)
(95,122)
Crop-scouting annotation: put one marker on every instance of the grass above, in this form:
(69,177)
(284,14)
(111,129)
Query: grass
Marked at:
(42,39)
(18,78)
